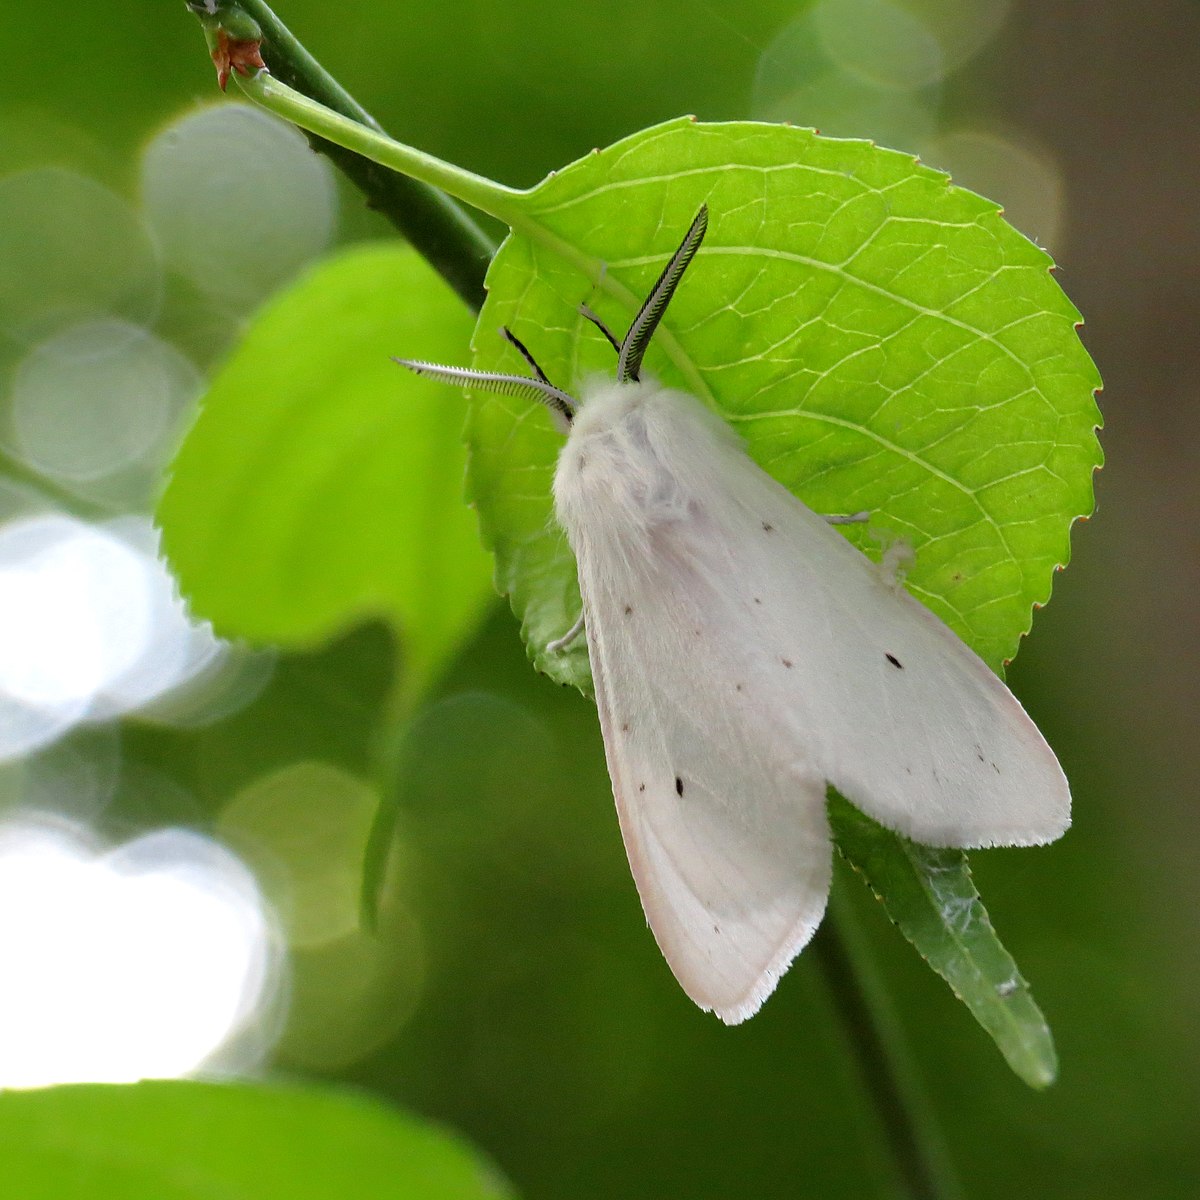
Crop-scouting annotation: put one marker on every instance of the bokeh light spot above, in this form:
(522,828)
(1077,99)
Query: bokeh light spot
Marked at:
(98,399)
(304,830)
(351,996)
(176,648)
(797,81)
(237,199)
(906,44)
(132,964)
(90,626)
(73,616)
(70,251)
(884,43)
(1023,178)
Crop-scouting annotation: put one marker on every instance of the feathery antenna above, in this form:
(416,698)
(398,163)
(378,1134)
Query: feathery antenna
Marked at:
(630,351)
(633,348)
(490,381)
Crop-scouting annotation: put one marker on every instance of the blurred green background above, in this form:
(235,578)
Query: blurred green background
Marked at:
(512,991)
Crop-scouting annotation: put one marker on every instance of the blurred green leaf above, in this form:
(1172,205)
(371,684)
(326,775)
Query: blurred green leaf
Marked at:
(881,339)
(929,894)
(169,1140)
(321,484)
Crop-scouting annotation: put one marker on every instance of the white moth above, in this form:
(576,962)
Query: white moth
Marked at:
(745,656)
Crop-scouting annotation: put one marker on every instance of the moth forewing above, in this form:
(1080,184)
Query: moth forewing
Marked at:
(729,847)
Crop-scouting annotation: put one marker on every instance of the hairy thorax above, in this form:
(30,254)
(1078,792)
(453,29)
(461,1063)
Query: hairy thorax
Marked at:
(636,458)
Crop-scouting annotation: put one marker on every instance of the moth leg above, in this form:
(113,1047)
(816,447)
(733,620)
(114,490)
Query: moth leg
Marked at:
(898,557)
(512,339)
(858,518)
(567,638)
(588,315)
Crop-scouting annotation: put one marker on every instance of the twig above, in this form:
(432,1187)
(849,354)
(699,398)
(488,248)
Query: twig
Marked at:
(438,228)
(919,1155)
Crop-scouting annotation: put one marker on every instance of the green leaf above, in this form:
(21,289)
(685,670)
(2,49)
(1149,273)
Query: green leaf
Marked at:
(181,1141)
(881,339)
(321,484)
(929,894)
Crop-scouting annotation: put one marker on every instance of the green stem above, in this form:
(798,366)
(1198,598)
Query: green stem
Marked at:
(437,227)
(477,190)
(889,1077)
(506,204)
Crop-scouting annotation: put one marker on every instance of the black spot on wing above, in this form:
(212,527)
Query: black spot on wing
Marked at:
(678,786)
(894,661)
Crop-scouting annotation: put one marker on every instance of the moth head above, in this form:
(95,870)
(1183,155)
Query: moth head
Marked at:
(631,349)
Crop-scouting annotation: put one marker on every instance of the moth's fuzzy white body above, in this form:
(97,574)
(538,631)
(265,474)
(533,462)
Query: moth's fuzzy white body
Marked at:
(744,656)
